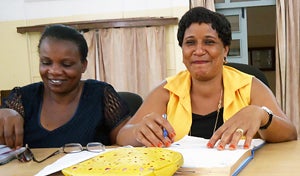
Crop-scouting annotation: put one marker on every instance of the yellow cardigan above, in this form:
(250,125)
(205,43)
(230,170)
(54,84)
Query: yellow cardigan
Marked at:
(237,88)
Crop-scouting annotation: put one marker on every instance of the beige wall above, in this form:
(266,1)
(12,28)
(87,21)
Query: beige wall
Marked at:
(19,57)
(14,67)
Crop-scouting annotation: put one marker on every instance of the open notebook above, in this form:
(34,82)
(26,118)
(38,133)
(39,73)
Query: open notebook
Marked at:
(200,160)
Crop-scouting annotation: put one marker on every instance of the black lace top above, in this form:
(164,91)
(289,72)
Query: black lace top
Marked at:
(100,110)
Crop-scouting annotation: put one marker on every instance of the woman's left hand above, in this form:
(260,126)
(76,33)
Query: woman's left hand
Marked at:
(245,123)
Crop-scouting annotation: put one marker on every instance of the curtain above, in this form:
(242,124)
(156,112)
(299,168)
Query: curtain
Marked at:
(131,59)
(90,72)
(288,59)
(209,4)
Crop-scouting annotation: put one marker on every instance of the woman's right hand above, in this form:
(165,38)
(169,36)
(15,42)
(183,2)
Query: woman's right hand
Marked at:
(11,128)
(149,131)
(146,127)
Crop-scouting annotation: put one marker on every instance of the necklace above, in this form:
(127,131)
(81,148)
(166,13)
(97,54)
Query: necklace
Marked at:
(218,112)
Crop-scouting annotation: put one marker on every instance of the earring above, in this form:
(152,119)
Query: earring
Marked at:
(225,60)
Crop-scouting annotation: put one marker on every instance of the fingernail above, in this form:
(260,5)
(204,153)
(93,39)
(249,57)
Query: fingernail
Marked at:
(220,147)
(159,144)
(209,145)
(168,144)
(246,146)
(232,146)
(172,135)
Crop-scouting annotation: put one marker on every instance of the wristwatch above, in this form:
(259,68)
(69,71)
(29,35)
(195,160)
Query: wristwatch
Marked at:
(270,113)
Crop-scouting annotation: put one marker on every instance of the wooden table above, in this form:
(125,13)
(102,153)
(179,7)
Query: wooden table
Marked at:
(17,168)
(272,159)
(275,159)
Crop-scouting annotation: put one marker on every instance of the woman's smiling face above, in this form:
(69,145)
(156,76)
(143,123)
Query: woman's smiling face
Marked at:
(203,51)
(60,65)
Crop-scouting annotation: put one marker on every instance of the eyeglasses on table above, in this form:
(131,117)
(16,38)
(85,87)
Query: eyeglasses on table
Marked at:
(27,155)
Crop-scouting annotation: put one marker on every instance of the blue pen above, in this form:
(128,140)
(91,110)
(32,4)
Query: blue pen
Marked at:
(165,132)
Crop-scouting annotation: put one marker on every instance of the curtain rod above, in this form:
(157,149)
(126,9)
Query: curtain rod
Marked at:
(107,23)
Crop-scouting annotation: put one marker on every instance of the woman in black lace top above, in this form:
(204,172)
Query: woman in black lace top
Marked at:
(63,108)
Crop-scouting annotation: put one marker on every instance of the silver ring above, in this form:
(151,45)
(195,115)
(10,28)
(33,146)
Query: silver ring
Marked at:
(239,130)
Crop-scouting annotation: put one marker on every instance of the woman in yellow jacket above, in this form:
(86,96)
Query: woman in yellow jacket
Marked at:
(209,99)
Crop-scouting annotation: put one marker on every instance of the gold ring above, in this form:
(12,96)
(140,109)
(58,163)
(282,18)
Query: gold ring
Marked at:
(240,130)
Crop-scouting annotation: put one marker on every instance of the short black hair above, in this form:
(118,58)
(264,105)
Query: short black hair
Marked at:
(63,32)
(203,15)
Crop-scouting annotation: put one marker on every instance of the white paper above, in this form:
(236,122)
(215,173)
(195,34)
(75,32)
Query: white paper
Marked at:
(67,161)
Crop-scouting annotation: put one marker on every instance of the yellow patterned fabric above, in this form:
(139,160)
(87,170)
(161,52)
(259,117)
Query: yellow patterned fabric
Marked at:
(141,161)
(237,89)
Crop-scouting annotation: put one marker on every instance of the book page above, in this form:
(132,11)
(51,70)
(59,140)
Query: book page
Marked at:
(197,155)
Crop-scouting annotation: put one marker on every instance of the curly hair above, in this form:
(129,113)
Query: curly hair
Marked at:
(202,15)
